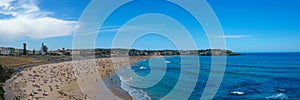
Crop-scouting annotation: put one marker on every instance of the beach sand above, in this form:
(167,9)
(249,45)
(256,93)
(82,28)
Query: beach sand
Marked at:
(84,79)
(113,82)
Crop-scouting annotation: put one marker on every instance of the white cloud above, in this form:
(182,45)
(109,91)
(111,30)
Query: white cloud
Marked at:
(130,28)
(5,3)
(109,29)
(28,21)
(37,28)
(230,36)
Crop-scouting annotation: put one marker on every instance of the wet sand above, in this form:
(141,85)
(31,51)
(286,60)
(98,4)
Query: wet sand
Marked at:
(113,82)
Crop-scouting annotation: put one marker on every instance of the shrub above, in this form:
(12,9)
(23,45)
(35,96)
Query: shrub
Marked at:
(1,93)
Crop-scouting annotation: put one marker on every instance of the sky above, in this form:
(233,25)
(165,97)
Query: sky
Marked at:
(248,25)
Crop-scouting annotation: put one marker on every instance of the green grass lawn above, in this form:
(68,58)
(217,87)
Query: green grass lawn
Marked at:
(17,61)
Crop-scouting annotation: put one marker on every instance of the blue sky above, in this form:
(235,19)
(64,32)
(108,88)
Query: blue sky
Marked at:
(248,25)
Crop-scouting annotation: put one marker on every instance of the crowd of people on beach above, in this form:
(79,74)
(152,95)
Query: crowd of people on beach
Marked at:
(42,81)
(47,81)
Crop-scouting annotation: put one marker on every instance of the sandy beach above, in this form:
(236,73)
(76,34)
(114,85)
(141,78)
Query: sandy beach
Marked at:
(71,80)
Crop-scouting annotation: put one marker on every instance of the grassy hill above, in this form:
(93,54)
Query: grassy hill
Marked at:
(17,61)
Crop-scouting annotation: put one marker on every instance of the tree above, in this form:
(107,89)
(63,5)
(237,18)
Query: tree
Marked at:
(1,93)
(33,52)
(2,74)
(24,49)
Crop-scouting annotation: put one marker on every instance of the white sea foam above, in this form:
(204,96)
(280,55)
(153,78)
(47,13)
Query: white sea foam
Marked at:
(136,94)
(167,61)
(142,68)
(278,96)
(237,93)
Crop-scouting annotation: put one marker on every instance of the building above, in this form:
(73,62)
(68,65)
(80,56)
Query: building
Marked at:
(18,52)
(75,52)
(156,53)
(8,51)
(44,49)
(64,52)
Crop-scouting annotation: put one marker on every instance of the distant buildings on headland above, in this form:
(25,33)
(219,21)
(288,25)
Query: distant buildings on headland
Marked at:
(206,52)
(134,52)
(9,51)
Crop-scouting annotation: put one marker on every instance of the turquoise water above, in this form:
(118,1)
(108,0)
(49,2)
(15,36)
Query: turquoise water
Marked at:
(254,75)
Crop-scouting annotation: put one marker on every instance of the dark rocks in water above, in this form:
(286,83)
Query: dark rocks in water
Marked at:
(281,90)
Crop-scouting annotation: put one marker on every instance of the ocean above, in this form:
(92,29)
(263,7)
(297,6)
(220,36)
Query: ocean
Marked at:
(250,76)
